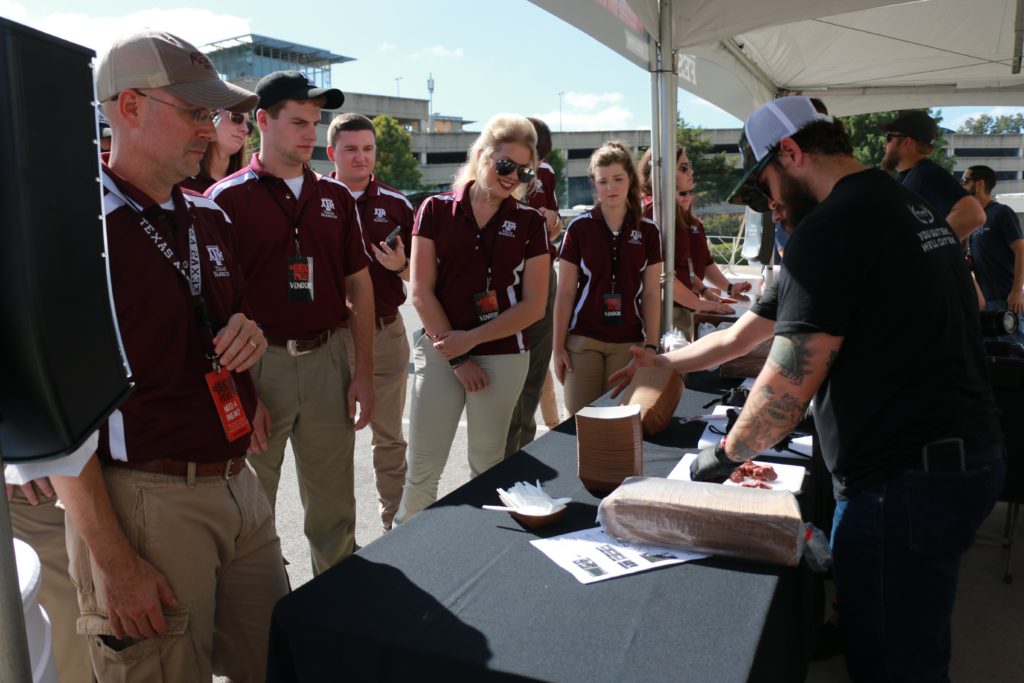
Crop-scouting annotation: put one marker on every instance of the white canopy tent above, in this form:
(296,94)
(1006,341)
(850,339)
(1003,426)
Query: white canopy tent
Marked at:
(856,55)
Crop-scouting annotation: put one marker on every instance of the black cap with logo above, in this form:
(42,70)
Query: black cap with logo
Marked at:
(294,85)
(913,123)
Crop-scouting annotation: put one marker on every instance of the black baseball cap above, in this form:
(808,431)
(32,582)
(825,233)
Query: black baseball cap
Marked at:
(294,85)
(913,123)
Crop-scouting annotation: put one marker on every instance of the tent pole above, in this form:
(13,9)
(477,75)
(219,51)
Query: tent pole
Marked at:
(15,664)
(667,84)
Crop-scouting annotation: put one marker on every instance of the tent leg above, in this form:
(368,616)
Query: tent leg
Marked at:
(664,86)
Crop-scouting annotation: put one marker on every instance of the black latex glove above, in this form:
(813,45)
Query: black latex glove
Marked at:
(712,464)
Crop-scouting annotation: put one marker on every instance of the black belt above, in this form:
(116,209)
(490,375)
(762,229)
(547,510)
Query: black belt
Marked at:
(381,323)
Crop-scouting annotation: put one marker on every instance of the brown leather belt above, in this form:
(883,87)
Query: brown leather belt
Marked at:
(179,468)
(300,347)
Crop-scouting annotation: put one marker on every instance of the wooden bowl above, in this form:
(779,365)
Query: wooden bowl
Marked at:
(537,521)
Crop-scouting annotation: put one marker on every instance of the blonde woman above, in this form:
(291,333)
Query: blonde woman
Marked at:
(608,281)
(479,278)
(225,155)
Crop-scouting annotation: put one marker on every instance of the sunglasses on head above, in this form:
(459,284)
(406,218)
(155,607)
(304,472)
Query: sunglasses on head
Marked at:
(237,119)
(507,166)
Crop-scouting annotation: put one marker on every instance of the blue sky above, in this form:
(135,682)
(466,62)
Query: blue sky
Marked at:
(485,56)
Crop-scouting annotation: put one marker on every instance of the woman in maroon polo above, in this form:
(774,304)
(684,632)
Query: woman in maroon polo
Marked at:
(479,279)
(693,261)
(608,293)
(225,155)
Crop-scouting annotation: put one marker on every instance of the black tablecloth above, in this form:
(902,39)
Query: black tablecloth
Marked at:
(457,593)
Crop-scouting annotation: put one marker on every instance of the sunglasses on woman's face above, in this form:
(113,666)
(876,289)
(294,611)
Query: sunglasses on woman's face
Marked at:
(507,166)
(685,167)
(238,119)
(685,193)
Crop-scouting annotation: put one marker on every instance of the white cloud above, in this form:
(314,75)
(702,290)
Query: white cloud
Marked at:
(591,111)
(385,46)
(197,26)
(438,52)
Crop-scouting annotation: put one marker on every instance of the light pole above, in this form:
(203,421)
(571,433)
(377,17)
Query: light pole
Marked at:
(398,87)
(560,95)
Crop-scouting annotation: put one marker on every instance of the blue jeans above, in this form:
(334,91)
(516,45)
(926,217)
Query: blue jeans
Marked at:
(1002,305)
(896,549)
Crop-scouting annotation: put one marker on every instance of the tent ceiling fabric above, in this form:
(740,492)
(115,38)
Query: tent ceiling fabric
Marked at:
(856,55)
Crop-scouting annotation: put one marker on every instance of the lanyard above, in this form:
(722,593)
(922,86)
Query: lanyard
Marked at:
(288,214)
(192,275)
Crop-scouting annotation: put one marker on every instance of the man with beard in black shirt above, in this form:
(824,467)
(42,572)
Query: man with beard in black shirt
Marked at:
(906,419)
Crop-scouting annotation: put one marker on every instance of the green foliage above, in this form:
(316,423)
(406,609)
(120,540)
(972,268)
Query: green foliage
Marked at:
(557,161)
(869,142)
(713,173)
(396,164)
(986,125)
(721,228)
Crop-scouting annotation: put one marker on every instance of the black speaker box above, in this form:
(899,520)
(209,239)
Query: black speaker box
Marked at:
(62,367)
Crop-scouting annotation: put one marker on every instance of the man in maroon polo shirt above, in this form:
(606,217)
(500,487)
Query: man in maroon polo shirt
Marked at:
(352,146)
(171,543)
(301,250)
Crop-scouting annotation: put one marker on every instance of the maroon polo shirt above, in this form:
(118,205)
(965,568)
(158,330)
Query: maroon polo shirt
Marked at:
(171,413)
(381,210)
(691,243)
(264,215)
(197,183)
(514,235)
(544,196)
(588,245)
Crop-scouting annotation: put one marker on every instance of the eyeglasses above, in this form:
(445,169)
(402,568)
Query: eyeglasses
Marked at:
(506,166)
(237,119)
(889,137)
(200,117)
(685,193)
(966,179)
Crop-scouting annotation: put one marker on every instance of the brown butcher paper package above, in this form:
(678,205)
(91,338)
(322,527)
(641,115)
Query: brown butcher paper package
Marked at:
(657,391)
(750,524)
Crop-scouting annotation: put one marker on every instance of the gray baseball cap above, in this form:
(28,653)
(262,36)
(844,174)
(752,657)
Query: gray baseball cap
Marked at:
(759,142)
(155,59)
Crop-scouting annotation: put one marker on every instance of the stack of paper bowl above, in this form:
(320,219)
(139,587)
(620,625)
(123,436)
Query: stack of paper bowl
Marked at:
(37,623)
(609,444)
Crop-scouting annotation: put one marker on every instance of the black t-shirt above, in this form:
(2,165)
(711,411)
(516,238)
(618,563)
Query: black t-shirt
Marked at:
(934,184)
(767,305)
(908,372)
(990,250)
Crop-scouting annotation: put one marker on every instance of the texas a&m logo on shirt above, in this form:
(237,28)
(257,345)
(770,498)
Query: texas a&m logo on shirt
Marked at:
(380,215)
(327,208)
(507,229)
(634,236)
(217,259)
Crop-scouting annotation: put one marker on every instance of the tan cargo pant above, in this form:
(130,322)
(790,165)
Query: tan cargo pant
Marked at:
(592,362)
(307,398)
(390,376)
(438,400)
(214,540)
(42,527)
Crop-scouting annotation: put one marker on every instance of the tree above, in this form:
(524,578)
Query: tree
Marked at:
(558,165)
(714,175)
(984,124)
(396,164)
(869,141)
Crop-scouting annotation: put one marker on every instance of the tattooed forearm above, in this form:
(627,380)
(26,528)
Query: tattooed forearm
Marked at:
(790,357)
(767,417)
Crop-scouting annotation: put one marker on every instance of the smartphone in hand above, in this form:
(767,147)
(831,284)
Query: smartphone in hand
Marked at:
(392,239)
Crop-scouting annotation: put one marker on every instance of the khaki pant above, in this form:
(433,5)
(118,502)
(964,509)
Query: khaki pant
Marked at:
(523,427)
(438,399)
(390,376)
(42,527)
(592,362)
(548,401)
(307,398)
(214,540)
